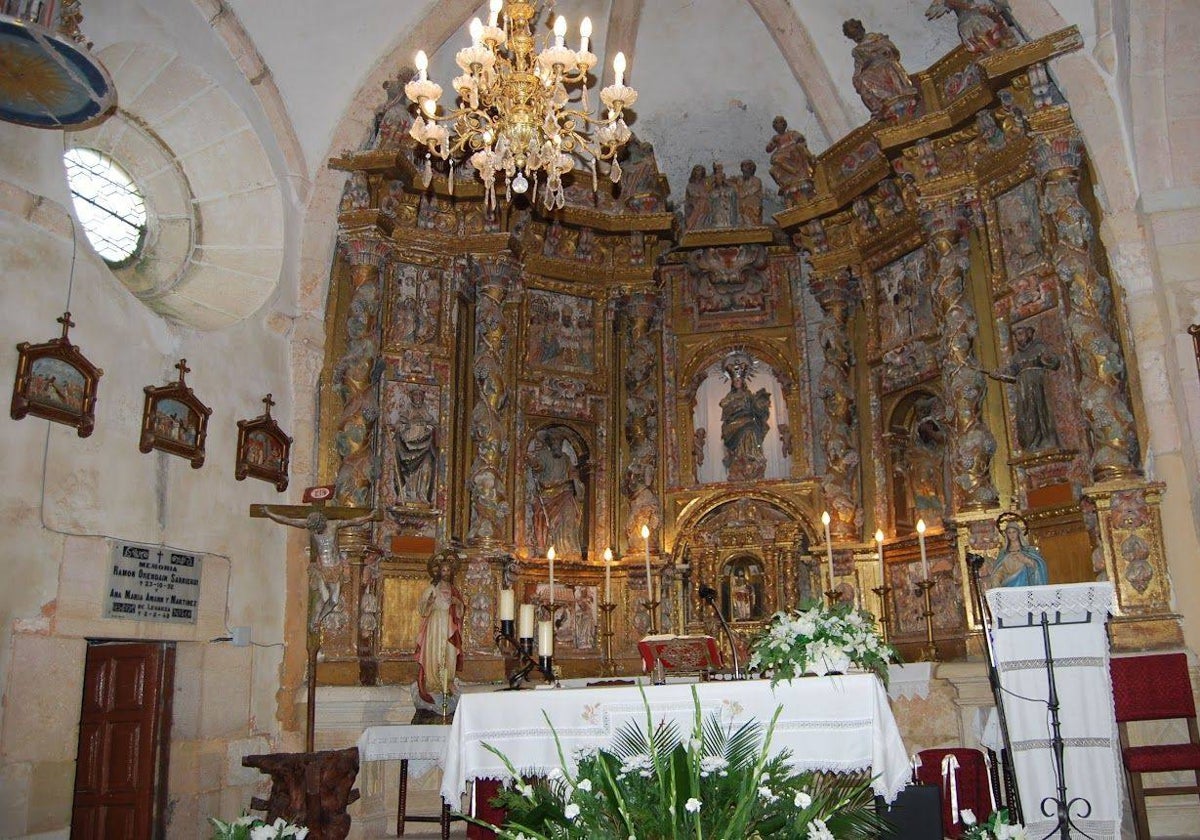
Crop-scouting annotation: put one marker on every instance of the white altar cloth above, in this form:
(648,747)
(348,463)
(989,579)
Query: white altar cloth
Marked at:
(837,723)
(422,746)
(1092,764)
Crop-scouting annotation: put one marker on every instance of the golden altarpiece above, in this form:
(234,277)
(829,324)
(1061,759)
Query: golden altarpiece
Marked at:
(927,331)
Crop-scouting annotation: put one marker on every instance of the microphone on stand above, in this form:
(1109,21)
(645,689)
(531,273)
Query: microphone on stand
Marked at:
(709,594)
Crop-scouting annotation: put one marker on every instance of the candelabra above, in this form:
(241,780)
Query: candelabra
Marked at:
(652,606)
(930,653)
(833,596)
(521,650)
(885,613)
(608,666)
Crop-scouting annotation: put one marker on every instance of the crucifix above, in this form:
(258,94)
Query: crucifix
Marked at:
(325,569)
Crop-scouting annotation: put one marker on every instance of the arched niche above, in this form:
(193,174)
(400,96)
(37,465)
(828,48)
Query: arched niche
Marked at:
(703,409)
(558,494)
(918,484)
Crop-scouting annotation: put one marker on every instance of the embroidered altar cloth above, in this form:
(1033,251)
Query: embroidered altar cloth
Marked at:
(1079,647)
(837,723)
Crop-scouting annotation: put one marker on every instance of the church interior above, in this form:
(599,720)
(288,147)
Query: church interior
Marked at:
(880,302)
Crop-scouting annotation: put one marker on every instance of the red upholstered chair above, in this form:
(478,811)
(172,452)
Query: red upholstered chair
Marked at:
(1155,687)
(971,783)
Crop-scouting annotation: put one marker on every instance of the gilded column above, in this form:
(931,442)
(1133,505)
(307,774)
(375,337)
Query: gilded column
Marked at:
(487,480)
(356,374)
(639,321)
(964,385)
(837,294)
(1103,383)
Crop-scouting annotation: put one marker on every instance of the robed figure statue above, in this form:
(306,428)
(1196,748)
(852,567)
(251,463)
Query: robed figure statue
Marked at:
(743,421)
(439,640)
(1018,563)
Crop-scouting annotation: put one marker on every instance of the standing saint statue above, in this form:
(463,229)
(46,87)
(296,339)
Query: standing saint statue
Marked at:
(556,493)
(414,431)
(743,421)
(723,209)
(1018,563)
(439,640)
(879,77)
(1029,369)
(695,199)
(749,195)
(792,164)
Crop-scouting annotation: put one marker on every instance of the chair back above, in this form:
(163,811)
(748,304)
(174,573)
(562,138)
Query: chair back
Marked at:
(1152,687)
(971,788)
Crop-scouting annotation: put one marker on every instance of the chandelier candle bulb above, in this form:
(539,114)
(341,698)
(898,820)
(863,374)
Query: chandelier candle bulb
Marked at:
(525,624)
(608,575)
(494,11)
(585,33)
(422,62)
(560,31)
(921,540)
(619,68)
(476,31)
(508,604)
(828,546)
(550,559)
(545,638)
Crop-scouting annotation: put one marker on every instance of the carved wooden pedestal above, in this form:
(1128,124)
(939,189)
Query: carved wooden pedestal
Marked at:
(311,789)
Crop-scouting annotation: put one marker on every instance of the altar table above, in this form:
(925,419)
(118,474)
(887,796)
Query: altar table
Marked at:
(833,723)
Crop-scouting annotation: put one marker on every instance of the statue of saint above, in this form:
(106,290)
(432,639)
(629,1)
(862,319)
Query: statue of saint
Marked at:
(439,639)
(695,200)
(743,421)
(1018,563)
(415,433)
(981,23)
(722,201)
(792,164)
(879,77)
(1028,370)
(750,194)
(557,494)
(925,469)
(325,564)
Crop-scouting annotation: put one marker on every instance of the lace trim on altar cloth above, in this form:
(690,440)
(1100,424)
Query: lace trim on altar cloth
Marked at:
(1059,663)
(1018,605)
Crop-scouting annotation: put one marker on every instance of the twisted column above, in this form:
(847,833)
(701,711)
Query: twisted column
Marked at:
(1103,378)
(638,316)
(964,385)
(356,374)
(487,484)
(837,293)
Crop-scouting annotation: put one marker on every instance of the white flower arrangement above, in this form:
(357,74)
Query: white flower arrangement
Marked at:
(250,827)
(997,827)
(820,640)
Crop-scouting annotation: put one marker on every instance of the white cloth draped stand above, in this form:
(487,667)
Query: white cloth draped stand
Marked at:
(1080,653)
(838,723)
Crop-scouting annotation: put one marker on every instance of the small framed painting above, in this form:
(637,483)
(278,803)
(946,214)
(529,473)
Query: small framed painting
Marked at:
(55,381)
(263,450)
(174,420)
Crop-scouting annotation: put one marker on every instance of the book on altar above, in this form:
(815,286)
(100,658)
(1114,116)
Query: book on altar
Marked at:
(680,654)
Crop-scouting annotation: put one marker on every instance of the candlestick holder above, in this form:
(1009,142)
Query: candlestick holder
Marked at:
(652,609)
(834,596)
(930,653)
(608,667)
(445,706)
(522,651)
(507,627)
(546,666)
(885,611)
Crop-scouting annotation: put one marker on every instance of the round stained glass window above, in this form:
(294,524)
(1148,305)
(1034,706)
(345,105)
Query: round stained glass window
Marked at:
(110,207)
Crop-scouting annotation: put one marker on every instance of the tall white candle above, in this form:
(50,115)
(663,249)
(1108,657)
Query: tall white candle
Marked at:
(879,548)
(828,546)
(507,604)
(608,575)
(545,638)
(921,540)
(649,578)
(550,558)
(525,625)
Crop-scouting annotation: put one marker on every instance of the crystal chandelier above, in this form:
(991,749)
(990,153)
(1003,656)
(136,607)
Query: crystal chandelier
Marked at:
(514,112)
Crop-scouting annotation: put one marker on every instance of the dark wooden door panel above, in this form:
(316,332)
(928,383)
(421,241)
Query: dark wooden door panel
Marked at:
(125,717)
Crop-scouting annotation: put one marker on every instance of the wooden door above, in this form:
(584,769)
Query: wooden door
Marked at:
(124,726)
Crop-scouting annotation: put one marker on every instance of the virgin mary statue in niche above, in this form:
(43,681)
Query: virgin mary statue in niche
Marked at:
(744,421)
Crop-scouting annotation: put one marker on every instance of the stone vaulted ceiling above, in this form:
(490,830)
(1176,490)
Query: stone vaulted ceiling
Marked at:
(712,73)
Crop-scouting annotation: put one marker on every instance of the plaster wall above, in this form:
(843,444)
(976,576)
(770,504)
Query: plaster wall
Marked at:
(65,499)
